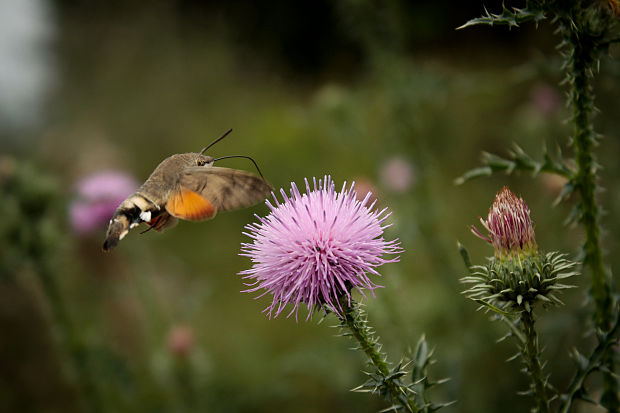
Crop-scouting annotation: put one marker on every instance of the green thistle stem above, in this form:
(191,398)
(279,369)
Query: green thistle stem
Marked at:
(582,67)
(75,349)
(583,142)
(532,360)
(355,321)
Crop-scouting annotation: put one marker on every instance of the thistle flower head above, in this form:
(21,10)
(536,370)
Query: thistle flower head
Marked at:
(511,231)
(314,248)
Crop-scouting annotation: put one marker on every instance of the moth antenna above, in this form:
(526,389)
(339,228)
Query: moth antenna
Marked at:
(242,156)
(216,141)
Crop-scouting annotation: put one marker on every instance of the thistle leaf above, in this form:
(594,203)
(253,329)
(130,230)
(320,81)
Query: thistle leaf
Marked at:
(492,307)
(580,359)
(508,17)
(518,160)
(465,256)
(473,173)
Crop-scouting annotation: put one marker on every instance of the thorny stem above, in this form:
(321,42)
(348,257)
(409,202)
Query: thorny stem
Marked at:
(582,64)
(583,142)
(353,319)
(595,360)
(532,361)
(73,346)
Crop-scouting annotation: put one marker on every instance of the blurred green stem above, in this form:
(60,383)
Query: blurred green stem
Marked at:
(355,320)
(596,359)
(531,356)
(76,350)
(582,68)
(185,383)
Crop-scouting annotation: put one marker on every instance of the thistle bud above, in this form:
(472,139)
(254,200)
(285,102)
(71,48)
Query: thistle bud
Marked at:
(519,275)
(511,231)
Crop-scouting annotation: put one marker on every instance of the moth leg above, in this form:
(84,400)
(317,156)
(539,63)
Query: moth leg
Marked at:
(161,222)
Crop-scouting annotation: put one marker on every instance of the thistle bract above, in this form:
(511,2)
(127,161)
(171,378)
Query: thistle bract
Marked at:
(314,248)
(520,283)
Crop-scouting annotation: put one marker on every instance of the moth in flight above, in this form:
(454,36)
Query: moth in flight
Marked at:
(186,186)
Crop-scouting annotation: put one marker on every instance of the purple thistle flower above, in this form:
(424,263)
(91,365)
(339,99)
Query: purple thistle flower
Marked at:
(511,231)
(99,195)
(314,248)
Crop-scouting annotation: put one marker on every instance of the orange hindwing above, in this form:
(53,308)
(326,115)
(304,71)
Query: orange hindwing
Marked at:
(190,205)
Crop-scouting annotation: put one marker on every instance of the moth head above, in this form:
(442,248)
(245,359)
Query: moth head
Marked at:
(204,160)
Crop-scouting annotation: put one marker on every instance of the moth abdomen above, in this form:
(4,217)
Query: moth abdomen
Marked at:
(130,213)
(118,228)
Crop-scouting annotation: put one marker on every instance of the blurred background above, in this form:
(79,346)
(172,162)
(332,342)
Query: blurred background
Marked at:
(94,94)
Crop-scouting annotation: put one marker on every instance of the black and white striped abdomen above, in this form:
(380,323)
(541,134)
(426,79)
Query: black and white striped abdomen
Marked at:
(133,211)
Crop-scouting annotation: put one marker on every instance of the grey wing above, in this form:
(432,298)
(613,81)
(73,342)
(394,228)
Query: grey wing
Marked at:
(226,188)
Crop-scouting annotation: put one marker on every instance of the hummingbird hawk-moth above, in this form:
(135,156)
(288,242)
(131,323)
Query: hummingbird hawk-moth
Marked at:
(186,186)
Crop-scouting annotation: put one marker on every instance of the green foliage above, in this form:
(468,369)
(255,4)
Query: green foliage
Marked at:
(30,230)
(586,29)
(29,242)
(421,359)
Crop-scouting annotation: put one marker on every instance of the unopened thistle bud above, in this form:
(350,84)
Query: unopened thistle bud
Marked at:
(511,231)
(519,275)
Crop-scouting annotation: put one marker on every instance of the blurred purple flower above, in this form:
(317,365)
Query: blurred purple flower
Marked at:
(397,175)
(98,196)
(545,99)
(314,248)
(364,186)
(180,340)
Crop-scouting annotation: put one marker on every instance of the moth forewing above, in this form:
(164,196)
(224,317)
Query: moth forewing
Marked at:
(226,188)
